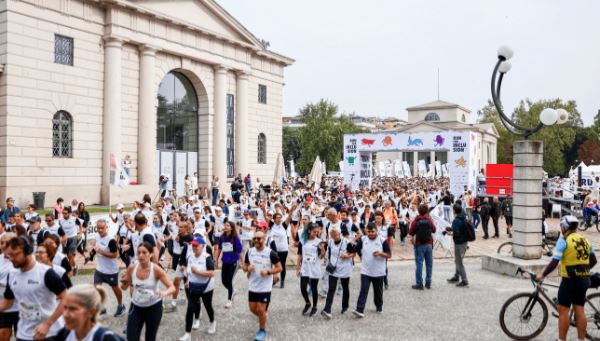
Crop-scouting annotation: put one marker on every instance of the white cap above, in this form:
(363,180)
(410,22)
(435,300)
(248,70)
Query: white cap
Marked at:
(120,206)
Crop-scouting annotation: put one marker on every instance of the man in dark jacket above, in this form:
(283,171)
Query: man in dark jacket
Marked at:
(460,246)
(421,229)
(495,211)
(484,211)
(506,208)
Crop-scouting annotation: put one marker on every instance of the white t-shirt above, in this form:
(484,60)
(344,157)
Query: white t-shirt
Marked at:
(107,266)
(262,260)
(311,265)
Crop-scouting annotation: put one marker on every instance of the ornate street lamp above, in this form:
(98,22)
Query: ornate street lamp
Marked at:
(548,116)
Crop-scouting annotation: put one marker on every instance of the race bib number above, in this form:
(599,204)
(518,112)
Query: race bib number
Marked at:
(227,247)
(29,312)
(143,295)
(259,264)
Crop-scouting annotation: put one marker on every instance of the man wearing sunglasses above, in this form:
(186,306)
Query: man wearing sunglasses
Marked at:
(260,264)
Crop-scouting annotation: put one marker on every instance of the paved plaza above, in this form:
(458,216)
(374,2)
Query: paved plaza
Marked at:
(443,313)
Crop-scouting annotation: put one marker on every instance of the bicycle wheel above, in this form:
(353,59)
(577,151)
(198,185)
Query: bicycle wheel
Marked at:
(583,226)
(505,249)
(592,313)
(523,316)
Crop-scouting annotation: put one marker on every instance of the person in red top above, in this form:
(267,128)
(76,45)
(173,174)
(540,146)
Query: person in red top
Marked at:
(421,230)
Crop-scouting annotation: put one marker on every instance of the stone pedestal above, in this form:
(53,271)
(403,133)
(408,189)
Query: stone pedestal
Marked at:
(507,265)
(528,159)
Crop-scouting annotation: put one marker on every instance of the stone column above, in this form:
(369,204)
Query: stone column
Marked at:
(241,125)
(220,126)
(528,159)
(146,165)
(415,164)
(111,135)
(432,160)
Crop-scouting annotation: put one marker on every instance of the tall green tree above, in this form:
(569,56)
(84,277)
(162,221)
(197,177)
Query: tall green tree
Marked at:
(558,139)
(322,135)
(291,144)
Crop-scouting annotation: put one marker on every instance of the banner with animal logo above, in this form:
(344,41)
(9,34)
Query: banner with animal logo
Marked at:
(460,146)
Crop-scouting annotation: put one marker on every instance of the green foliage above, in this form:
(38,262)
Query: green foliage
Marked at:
(322,135)
(558,139)
(291,144)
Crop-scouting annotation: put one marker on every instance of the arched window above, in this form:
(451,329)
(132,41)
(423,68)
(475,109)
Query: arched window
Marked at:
(262,148)
(432,116)
(62,135)
(463,118)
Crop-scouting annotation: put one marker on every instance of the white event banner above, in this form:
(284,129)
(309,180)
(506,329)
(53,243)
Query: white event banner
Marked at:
(462,163)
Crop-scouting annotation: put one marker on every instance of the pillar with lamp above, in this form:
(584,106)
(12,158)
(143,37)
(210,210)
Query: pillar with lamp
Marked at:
(528,160)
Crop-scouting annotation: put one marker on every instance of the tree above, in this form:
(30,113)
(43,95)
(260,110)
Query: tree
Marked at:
(589,152)
(291,144)
(322,135)
(557,139)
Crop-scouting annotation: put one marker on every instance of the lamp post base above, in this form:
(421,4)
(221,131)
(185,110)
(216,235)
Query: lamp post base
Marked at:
(528,160)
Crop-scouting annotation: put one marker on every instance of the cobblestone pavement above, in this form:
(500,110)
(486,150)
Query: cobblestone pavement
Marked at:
(443,313)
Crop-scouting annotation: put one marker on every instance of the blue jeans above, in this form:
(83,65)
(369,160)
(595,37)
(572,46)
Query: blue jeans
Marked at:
(476,220)
(423,252)
(215,196)
(447,209)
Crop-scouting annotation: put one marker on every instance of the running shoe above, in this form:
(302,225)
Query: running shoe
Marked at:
(196,324)
(261,335)
(313,311)
(326,314)
(212,327)
(358,314)
(120,310)
(306,309)
(228,305)
(186,337)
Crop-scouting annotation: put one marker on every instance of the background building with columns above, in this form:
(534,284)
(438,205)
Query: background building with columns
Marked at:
(440,116)
(179,86)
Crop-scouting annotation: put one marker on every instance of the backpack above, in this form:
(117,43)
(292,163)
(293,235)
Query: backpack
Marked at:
(423,231)
(469,231)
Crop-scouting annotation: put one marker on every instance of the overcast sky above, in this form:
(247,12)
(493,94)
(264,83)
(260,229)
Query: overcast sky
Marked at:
(379,57)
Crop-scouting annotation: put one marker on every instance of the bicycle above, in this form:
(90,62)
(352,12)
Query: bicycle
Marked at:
(531,312)
(590,217)
(548,244)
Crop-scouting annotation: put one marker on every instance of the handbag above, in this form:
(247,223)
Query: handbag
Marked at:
(330,267)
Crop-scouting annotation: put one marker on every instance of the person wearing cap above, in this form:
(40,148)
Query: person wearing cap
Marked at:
(35,227)
(576,257)
(260,264)
(200,269)
(118,217)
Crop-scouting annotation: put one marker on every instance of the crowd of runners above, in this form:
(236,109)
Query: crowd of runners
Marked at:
(179,244)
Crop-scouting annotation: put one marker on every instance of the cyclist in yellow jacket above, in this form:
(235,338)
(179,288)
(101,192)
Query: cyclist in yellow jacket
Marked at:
(576,257)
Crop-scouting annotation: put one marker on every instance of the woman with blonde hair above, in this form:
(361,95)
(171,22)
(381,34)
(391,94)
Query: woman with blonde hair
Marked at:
(82,304)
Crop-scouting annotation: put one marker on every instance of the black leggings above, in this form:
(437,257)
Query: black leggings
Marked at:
(227,273)
(187,296)
(194,306)
(140,316)
(283,259)
(314,288)
(331,292)
(403,231)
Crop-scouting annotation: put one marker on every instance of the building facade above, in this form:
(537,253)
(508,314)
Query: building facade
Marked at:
(439,116)
(177,86)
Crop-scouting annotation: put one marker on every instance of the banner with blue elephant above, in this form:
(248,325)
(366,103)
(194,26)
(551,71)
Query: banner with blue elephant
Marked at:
(459,145)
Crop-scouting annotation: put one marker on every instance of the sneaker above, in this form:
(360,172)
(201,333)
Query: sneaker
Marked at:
(323,294)
(261,335)
(174,303)
(186,337)
(196,324)
(120,310)
(313,311)
(326,314)
(452,280)
(358,314)
(344,310)
(306,309)
(212,327)
(228,304)
(427,286)
(417,287)
(463,284)
(379,311)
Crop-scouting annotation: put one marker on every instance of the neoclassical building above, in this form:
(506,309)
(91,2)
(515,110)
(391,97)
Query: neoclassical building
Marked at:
(179,86)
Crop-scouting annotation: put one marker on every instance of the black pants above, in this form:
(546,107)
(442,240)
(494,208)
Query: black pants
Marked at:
(194,306)
(187,296)
(138,317)
(331,292)
(485,220)
(365,282)
(227,273)
(314,288)
(385,278)
(175,261)
(403,231)
(495,222)
(283,258)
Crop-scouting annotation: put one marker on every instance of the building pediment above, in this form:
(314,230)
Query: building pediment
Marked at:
(206,14)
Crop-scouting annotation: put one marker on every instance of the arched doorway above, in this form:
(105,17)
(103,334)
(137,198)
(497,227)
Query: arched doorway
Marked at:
(177,128)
